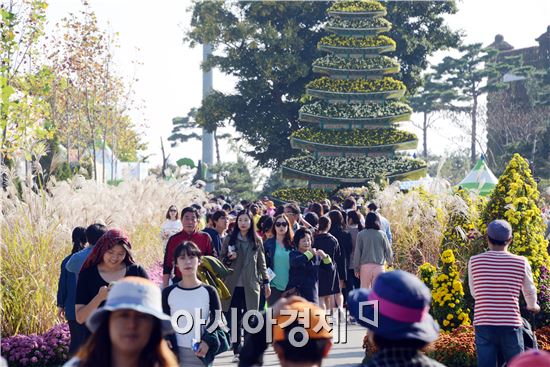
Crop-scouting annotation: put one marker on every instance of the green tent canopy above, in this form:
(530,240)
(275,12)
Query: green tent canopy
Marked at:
(480,179)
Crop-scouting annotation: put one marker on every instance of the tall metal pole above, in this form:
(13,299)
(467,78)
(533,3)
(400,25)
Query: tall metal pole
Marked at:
(207,137)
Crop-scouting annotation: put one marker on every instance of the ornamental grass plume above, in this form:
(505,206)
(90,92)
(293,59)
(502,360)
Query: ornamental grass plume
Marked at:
(36,234)
(459,231)
(516,199)
(417,221)
(448,295)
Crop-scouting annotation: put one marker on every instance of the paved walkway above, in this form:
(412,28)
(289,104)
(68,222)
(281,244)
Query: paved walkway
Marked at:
(346,354)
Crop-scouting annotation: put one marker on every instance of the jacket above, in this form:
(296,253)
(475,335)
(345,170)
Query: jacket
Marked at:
(304,273)
(250,263)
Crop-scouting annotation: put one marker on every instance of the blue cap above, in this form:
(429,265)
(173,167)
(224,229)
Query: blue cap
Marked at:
(499,230)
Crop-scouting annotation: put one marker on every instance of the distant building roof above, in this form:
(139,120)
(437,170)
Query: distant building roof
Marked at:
(500,44)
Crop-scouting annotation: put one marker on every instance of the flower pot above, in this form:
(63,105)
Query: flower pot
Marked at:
(359,14)
(357,32)
(371,74)
(340,123)
(336,97)
(357,51)
(350,150)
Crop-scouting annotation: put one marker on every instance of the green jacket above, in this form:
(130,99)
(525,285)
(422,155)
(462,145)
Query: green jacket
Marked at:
(250,263)
(218,342)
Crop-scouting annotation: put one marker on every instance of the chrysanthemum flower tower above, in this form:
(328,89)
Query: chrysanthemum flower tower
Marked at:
(356,106)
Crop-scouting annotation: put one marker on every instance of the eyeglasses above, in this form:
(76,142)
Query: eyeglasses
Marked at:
(281,224)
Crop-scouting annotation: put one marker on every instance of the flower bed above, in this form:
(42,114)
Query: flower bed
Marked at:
(358,27)
(50,348)
(348,111)
(358,169)
(457,349)
(387,84)
(356,6)
(372,63)
(303,195)
(367,23)
(357,138)
(357,42)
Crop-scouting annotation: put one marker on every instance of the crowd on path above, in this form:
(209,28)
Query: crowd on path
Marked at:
(220,265)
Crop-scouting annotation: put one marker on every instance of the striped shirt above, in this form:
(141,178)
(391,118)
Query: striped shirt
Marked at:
(496,279)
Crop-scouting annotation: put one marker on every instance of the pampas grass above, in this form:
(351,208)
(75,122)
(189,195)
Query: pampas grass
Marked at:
(36,231)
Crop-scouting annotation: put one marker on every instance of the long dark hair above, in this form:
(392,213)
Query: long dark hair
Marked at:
(355,219)
(251,235)
(78,238)
(336,221)
(317,209)
(97,350)
(287,241)
(372,221)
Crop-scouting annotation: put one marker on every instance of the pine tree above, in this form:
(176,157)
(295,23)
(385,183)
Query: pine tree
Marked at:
(515,199)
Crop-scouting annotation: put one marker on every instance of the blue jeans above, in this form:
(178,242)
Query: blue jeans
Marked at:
(497,341)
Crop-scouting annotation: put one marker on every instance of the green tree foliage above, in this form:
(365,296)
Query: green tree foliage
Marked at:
(275,181)
(235,179)
(23,109)
(269,46)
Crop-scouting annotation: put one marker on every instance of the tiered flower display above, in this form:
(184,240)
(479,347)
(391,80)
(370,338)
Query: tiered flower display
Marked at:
(448,295)
(515,199)
(356,106)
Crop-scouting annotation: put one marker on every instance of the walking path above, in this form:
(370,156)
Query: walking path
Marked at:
(346,354)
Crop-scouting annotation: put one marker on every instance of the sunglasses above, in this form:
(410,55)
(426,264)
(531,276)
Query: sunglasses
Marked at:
(281,224)
(173,210)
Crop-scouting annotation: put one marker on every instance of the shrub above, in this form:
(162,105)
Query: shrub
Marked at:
(302,195)
(426,273)
(515,199)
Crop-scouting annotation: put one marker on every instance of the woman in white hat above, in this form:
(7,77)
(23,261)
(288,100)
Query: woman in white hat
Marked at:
(128,331)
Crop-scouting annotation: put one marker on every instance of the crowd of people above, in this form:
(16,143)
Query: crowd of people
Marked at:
(328,256)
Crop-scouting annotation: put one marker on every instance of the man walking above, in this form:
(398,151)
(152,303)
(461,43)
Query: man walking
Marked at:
(496,278)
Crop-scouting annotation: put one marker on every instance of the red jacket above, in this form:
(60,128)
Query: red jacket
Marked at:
(201,239)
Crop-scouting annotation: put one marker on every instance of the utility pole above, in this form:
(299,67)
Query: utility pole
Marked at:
(207,137)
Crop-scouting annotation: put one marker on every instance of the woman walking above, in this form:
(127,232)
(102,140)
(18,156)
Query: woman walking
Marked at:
(342,262)
(66,291)
(305,265)
(353,228)
(329,279)
(277,250)
(128,330)
(110,260)
(191,295)
(243,251)
(372,250)
(171,225)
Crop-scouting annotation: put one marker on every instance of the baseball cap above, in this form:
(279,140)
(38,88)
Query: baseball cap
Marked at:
(499,230)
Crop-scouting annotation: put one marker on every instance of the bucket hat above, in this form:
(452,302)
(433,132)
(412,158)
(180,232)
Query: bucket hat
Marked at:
(132,293)
(396,308)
